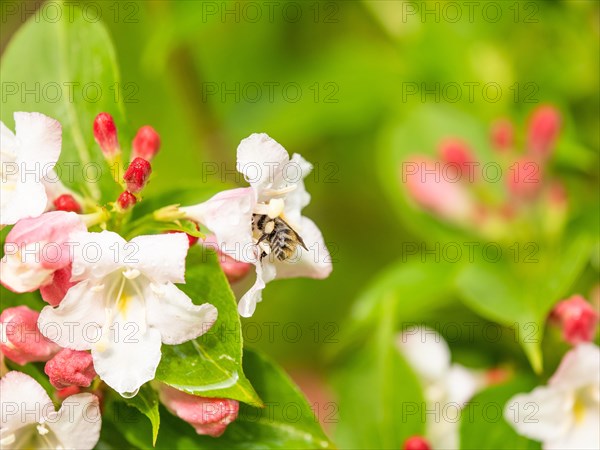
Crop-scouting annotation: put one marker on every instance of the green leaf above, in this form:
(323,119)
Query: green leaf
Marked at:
(286,422)
(378,392)
(71,75)
(146,402)
(211,365)
(482,424)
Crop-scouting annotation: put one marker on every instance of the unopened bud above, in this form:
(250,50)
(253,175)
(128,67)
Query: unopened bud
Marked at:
(416,443)
(457,153)
(234,270)
(524,179)
(137,175)
(209,416)
(502,135)
(105,133)
(62,394)
(67,202)
(577,318)
(126,200)
(20,338)
(543,130)
(146,143)
(70,368)
(192,240)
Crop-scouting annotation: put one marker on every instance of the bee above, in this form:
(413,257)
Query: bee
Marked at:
(281,238)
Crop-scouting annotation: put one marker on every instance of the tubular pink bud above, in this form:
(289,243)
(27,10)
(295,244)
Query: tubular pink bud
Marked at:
(457,152)
(416,443)
(70,368)
(524,179)
(126,200)
(146,143)
(137,175)
(234,270)
(502,135)
(57,288)
(208,416)
(577,318)
(543,130)
(21,340)
(105,133)
(62,394)
(67,202)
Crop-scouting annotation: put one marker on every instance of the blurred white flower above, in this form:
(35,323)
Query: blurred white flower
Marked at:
(446,386)
(565,414)
(125,305)
(277,192)
(29,419)
(26,158)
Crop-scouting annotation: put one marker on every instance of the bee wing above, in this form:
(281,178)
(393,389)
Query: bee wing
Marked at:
(296,235)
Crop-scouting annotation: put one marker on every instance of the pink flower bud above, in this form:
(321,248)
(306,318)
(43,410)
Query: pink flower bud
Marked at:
(208,416)
(234,270)
(57,287)
(146,143)
(70,368)
(137,175)
(502,135)
(543,130)
(105,133)
(62,394)
(35,248)
(524,179)
(577,318)
(431,188)
(416,443)
(67,202)
(21,340)
(126,200)
(457,153)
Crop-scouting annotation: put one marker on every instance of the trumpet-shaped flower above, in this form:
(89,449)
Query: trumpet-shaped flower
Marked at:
(25,159)
(277,192)
(29,419)
(565,413)
(126,304)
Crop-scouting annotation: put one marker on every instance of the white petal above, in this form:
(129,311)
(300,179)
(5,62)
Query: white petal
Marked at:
(26,200)
(76,322)
(176,317)
(584,435)
(265,272)
(77,423)
(579,367)
(39,138)
(229,216)
(98,254)
(543,414)
(461,384)
(160,257)
(312,263)
(426,351)
(261,160)
(129,352)
(24,401)
(8,141)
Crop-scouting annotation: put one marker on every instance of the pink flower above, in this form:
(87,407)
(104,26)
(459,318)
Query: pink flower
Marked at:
(208,416)
(502,134)
(146,143)
(524,178)
(432,189)
(577,318)
(233,270)
(20,338)
(36,248)
(457,153)
(55,290)
(70,368)
(543,130)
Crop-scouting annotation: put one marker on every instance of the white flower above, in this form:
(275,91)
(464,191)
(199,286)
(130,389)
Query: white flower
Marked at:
(29,419)
(277,191)
(565,414)
(126,305)
(446,386)
(25,160)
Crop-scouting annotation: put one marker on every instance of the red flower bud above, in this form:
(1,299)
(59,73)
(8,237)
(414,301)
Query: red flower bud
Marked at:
(146,143)
(543,130)
(137,175)
(21,340)
(67,202)
(577,318)
(126,200)
(105,133)
(502,134)
(62,394)
(457,153)
(416,443)
(70,368)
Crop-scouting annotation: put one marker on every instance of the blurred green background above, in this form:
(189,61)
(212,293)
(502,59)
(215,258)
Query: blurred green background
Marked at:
(353,62)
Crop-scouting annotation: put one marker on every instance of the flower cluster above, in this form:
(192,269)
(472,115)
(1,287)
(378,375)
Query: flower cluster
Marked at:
(112,302)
